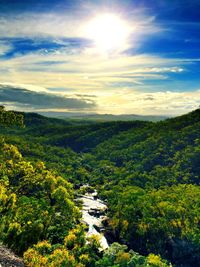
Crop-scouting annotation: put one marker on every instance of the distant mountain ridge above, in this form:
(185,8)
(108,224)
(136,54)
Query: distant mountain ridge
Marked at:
(103,117)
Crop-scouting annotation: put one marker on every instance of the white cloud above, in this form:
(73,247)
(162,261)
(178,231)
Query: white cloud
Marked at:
(133,102)
(83,69)
(123,100)
(29,87)
(162,69)
(5,47)
(74,24)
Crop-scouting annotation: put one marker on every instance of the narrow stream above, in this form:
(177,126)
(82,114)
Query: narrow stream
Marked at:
(93,213)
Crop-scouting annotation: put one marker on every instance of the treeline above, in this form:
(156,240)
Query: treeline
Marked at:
(8,118)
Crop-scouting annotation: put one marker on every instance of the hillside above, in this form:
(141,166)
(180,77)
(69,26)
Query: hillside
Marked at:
(79,136)
(148,172)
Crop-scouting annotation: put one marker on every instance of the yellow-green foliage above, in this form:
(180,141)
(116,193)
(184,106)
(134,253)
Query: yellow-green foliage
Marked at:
(74,253)
(35,204)
(158,215)
(8,118)
(155,261)
(118,256)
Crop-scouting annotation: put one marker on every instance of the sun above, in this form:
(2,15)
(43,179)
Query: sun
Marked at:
(108,32)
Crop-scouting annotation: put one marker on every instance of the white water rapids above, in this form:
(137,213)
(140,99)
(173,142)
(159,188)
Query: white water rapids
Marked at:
(91,207)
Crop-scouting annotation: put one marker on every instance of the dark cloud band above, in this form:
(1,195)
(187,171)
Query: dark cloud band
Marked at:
(37,100)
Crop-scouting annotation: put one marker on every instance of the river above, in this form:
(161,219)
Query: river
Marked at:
(93,213)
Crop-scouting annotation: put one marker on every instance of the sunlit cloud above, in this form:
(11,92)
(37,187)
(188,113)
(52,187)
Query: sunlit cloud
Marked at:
(121,101)
(30,87)
(113,83)
(127,101)
(96,29)
(81,70)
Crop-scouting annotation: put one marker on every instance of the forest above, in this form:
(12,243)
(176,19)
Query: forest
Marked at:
(148,174)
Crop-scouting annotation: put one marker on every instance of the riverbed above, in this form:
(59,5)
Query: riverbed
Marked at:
(93,213)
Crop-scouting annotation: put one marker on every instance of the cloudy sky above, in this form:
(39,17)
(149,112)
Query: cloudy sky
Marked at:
(119,57)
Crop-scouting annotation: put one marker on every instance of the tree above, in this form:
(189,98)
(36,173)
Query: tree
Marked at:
(8,118)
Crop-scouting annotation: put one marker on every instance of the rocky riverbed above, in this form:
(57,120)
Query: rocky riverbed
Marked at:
(9,259)
(93,214)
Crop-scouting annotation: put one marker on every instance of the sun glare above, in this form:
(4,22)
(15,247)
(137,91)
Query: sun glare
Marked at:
(109,32)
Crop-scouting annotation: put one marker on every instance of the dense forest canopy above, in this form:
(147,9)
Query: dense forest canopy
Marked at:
(8,118)
(148,173)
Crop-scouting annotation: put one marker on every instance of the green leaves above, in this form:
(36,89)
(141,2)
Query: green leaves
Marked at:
(168,213)
(34,203)
(10,118)
(118,256)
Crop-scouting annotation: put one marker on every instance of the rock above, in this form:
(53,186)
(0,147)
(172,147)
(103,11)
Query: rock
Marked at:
(99,228)
(110,236)
(9,259)
(95,212)
(105,221)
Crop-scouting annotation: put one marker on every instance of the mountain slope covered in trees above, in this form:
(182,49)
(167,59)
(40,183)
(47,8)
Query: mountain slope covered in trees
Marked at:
(147,172)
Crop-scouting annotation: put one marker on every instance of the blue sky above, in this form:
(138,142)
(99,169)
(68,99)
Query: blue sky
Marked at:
(71,51)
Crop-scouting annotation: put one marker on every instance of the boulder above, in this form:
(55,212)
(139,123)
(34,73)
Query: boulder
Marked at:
(9,259)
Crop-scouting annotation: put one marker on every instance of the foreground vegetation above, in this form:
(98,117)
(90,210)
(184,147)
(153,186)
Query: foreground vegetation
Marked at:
(147,172)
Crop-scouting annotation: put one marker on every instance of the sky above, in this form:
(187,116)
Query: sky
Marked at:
(116,57)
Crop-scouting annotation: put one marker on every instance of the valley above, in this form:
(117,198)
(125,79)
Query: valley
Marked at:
(144,174)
